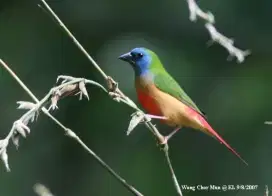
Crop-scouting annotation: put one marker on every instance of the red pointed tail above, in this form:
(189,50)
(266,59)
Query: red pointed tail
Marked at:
(221,140)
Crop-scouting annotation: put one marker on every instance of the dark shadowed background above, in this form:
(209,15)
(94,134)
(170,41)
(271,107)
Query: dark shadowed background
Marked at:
(236,97)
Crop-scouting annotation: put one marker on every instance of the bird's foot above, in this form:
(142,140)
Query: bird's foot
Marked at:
(166,138)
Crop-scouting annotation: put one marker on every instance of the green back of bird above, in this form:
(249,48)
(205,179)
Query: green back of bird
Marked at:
(166,83)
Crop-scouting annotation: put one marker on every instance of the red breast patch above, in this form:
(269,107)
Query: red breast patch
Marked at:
(148,103)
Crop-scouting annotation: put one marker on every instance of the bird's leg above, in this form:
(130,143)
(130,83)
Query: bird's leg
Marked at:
(155,117)
(166,138)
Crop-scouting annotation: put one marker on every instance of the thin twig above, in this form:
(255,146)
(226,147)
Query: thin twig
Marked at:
(69,132)
(175,180)
(266,191)
(42,190)
(19,81)
(268,122)
(74,40)
(117,93)
(216,36)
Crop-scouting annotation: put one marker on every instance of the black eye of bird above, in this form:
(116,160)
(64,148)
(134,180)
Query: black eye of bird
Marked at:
(136,55)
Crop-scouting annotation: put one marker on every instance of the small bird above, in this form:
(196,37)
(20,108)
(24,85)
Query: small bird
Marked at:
(162,97)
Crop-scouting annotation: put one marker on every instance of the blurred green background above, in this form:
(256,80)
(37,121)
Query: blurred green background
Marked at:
(236,97)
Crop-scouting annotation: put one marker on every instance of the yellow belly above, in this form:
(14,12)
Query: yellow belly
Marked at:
(177,113)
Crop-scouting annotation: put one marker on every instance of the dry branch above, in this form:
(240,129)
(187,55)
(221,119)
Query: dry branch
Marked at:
(42,190)
(266,191)
(216,36)
(69,85)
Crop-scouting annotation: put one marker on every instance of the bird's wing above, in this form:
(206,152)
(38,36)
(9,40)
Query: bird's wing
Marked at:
(167,84)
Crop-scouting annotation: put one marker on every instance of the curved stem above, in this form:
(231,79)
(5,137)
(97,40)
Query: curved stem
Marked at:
(68,131)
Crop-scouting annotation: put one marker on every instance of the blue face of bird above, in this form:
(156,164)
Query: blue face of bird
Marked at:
(140,60)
